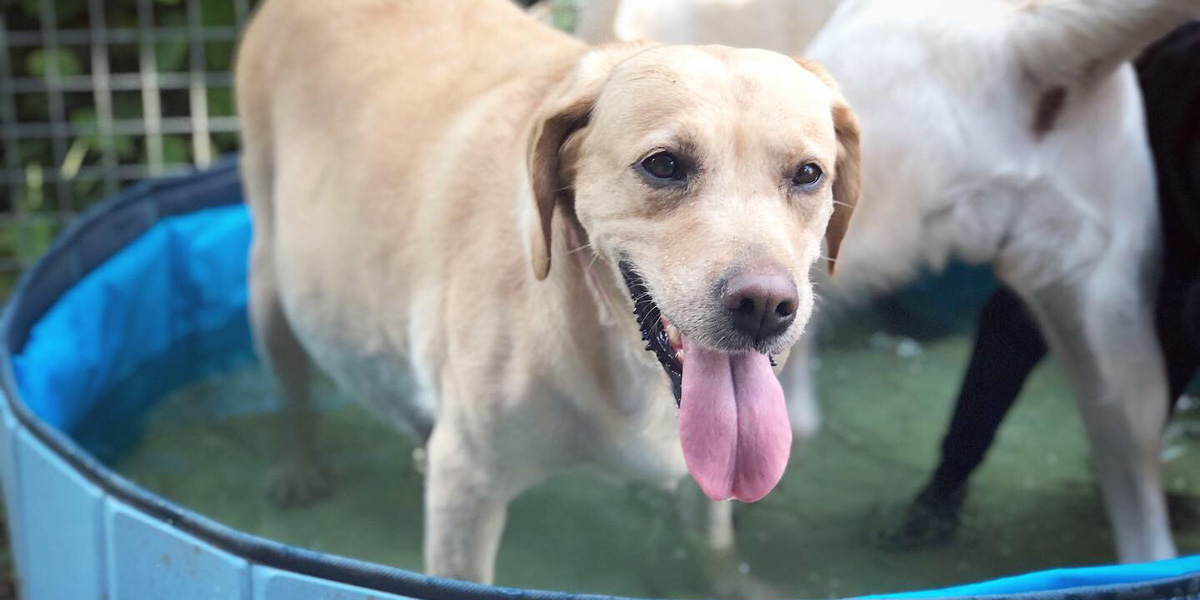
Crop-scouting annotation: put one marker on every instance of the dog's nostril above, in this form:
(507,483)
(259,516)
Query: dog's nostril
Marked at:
(785,309)
(746,306)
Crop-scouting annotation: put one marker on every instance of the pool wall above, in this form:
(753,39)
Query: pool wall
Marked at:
(165,260)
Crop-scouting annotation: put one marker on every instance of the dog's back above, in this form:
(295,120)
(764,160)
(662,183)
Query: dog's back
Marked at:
(343,68)
(784,26)
(356,117)
(972,111)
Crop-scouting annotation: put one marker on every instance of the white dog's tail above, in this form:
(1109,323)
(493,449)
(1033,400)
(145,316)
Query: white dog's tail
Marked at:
(1071,42)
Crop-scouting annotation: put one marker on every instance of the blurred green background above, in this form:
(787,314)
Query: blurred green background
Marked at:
(73,131)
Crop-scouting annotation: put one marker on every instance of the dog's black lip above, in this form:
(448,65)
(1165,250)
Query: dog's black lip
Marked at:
(648,318)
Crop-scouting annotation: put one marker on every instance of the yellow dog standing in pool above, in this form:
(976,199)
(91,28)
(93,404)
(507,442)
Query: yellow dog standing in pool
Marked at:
(414,166)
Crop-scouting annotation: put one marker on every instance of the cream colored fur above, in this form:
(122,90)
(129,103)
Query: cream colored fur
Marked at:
(441,192)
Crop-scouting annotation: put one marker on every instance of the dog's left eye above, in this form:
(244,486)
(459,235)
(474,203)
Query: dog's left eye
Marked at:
(664,165)
(807,176)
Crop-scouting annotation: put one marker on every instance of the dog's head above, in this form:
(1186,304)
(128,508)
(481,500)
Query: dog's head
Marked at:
(706,179)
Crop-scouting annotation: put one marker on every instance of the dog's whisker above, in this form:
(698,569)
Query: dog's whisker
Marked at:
(840,203)
(579,249)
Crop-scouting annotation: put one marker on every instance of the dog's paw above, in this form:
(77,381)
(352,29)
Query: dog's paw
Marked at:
(295,485)
(931,520)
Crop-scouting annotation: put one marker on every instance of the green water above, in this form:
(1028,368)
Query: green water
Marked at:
(1033,505)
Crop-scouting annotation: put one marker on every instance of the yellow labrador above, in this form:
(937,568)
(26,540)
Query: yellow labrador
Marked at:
(413,167)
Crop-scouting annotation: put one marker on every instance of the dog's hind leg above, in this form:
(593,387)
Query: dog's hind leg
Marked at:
(1102,331)
(300,478)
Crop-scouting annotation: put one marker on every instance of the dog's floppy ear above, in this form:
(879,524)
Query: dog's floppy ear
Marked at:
(565,112)
(847,183)
(553,125)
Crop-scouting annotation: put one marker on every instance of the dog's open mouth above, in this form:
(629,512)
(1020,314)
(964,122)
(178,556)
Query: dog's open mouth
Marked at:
(733,422)
(661,337)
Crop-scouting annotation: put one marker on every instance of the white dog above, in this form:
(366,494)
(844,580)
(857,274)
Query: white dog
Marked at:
(1006,132)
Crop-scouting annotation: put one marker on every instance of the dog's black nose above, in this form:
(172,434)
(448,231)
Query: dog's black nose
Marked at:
(761,303)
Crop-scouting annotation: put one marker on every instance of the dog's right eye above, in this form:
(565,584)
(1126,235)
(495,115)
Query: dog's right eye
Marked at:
(664,166)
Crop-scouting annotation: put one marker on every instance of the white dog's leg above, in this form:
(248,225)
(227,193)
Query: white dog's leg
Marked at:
(1102,332)
(730,575)
(466,504)
(800,390)
(721,536)
(712,523)
(706,519)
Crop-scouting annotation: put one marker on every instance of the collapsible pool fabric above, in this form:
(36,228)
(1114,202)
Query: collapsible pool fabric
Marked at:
(163,262)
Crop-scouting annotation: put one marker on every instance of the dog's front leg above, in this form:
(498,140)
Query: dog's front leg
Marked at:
(728,574)
(466,503)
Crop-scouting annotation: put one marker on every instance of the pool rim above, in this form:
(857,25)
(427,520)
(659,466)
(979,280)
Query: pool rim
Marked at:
(144,205)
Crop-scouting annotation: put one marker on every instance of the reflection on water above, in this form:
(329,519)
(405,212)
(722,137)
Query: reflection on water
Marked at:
(210,444)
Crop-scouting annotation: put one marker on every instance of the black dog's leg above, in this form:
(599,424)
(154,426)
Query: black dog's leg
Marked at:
(1178,316)
(1007,347)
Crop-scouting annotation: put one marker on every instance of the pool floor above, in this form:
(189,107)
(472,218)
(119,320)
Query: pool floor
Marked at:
(1033,505)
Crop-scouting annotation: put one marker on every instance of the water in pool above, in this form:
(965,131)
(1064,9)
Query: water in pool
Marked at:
(209,445)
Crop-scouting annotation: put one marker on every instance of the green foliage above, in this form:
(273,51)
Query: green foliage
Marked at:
(87,125)
(27,239)
(33,216)
(218,14)
(40,62)
(176,149)
(64,10)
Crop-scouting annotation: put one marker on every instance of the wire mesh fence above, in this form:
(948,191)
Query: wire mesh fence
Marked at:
(95,94)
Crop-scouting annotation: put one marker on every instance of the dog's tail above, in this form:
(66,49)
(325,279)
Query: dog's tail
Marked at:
(1071,42)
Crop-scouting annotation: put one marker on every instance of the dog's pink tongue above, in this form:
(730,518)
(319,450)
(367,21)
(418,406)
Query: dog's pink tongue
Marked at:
(733,423)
